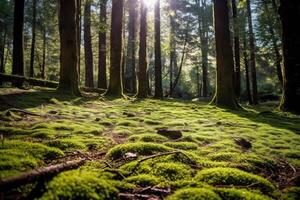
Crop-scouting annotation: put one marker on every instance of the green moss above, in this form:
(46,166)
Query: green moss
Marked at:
(239,194)
(79,184)
(141,148)
(147,138)
(234,177)
(194,194)
(143,180)
(292,193)
(172,171)
(182,145)
(66,144)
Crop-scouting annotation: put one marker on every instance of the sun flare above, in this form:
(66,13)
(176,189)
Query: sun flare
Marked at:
(149,3)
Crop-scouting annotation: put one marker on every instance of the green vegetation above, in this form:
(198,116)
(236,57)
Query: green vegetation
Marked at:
(205,163)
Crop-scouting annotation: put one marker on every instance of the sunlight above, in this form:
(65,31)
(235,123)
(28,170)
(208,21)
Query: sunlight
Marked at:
(149,3)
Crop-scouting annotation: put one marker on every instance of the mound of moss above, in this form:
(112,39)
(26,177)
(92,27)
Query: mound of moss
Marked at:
(78,184)
(292,193)
(147,138)
(239,194)
(140,148)
(172,171)
(194,194)
(234,177)
(143,180)
(182,145)
(66,144)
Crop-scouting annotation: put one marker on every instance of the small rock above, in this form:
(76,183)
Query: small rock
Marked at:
(127,114)
(130,155)
(52,112)
(243,143)
(172,134)
(97,119)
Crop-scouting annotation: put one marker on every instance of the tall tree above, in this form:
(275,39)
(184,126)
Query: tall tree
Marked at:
(115,80)
(18,40)
(142,75)
(173,57)
(31,67)
(88,52)
(290,15)
(252,53)
(102,81)
(158,71)
(68,27)
(237,58)
(225,94)
(78,34)
(130,72)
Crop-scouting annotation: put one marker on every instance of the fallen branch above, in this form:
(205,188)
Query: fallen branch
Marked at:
(138,196)
(24,112)
(39,174)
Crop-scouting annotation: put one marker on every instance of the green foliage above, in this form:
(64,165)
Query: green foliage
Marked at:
(172,171)
(194,194)
(79,184)
(292,193)
(141,148)
(182,145)
(147,138)
(234,177)
(239,194)
(143,180)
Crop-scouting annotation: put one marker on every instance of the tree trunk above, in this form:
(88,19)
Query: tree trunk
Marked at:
(225,94)
(158,78)
(44,54)
(142,75)
(115,81)
(68,82)
(237,58)
(102,81)
(88,52)
(130,72)
(172,45)
(31,67)
(78,24)
(2,54)
(252,54)
(18,40)
(290,14)
(274,43)
(246,63)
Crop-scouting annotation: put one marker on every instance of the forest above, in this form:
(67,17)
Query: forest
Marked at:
(150,99)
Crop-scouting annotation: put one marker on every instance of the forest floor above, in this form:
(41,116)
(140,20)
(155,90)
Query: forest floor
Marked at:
(147,149)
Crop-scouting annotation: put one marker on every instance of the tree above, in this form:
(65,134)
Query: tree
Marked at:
(115,80)
(78,33)
(88,52)
(225,94)
(18,40)
(142,75)
(252,53)
(130,72)
(237,59)
(102,82)
(33,32)
(290,14)
(68,82)
(158,76)
(173,58)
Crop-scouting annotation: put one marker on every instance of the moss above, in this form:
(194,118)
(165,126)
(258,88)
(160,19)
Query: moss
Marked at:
(194,194)
(234,177)
(172,171)
(292,193)
(239,194)
(152,122)
(143,180)
(147,138)
(80,184)
(182,145)
(66,144)
(141,148)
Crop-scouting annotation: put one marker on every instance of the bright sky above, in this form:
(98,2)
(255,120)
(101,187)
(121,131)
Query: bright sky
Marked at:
(150,3)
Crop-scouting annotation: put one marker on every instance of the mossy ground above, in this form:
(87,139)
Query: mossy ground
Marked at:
(207,161)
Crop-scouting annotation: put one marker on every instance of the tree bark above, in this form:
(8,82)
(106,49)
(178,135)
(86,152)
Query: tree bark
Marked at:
(290,14)
(246,63)
(130,72)
(252,54)
(225,94)
(78,34)
(2,52)
(173,59)
(31,67)
(142,75)
(68,82)
(44,53)
(158,78)
(102,81)
(18,40)
(88,52)
(115,82)
(237,58)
